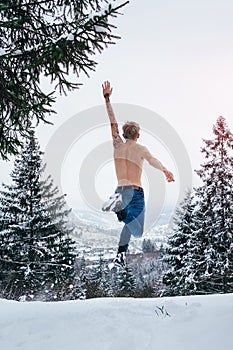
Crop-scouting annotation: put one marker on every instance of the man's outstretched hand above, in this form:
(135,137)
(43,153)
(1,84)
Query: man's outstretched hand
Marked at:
(169,175)
(107,89)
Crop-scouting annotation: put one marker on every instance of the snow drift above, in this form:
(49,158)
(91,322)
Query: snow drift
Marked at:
(178,323)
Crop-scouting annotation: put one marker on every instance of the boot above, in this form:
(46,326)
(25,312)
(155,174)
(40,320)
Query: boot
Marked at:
(120,259)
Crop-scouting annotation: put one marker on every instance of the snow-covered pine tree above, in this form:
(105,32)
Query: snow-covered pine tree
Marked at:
(36,252)
(98,282)
(148,246)
(180,249)
(125,282)
(212,264)
(49,38)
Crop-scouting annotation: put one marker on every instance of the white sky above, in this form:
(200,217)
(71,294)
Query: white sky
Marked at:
(175,58)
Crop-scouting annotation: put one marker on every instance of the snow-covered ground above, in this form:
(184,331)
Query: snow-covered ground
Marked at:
(178,323)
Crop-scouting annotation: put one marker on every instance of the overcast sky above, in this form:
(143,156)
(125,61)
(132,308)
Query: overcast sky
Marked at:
(175,58)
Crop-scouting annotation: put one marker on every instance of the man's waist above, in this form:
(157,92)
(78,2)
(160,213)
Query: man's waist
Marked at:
(130,187)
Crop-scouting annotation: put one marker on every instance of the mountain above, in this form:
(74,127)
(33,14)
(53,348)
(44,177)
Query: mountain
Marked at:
(98,233)
(96,221)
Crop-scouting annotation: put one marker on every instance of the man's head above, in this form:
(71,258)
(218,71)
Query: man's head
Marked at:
(131,130)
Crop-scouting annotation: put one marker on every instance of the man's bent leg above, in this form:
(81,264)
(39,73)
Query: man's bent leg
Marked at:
(134,227)
(124,237)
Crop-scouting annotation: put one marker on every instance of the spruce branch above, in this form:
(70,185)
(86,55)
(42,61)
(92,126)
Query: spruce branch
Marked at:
(52,39)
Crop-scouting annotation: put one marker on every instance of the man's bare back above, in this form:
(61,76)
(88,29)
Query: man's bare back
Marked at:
(128,158)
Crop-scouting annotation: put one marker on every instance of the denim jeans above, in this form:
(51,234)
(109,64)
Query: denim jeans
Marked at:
(132,214)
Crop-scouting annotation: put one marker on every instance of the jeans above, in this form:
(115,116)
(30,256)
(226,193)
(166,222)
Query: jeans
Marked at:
(132,214)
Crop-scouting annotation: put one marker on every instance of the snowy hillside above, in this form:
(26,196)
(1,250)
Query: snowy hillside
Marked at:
(98,220)
(107,221)
(178,323)
(98,231)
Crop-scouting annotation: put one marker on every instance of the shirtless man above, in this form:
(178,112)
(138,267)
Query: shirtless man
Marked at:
(128,200)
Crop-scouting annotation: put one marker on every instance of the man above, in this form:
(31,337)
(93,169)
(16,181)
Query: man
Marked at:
(128,200)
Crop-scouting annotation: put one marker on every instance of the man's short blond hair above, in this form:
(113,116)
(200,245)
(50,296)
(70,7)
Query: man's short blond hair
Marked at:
(130,130)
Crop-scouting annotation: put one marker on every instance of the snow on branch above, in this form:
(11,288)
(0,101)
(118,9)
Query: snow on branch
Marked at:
(34,263)
(113,6)
(94,19)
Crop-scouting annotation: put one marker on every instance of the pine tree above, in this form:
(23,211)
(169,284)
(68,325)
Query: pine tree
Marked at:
(126,282)
(180,247)
(36,251)
(213,264)
(99,280)
(206,264)
(148,246)
(49,38)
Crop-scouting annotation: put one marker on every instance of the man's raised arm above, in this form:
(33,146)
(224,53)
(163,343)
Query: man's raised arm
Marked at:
(107,91)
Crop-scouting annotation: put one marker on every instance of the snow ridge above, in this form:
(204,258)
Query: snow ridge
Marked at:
(194,322)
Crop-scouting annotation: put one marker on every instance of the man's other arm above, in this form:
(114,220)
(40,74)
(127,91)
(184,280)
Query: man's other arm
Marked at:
(157,164)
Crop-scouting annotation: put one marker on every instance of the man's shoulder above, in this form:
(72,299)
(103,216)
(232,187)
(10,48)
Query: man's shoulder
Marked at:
(143,151)
(117,141)
(141,147)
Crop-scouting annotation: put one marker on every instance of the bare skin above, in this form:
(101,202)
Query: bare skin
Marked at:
(129,155)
